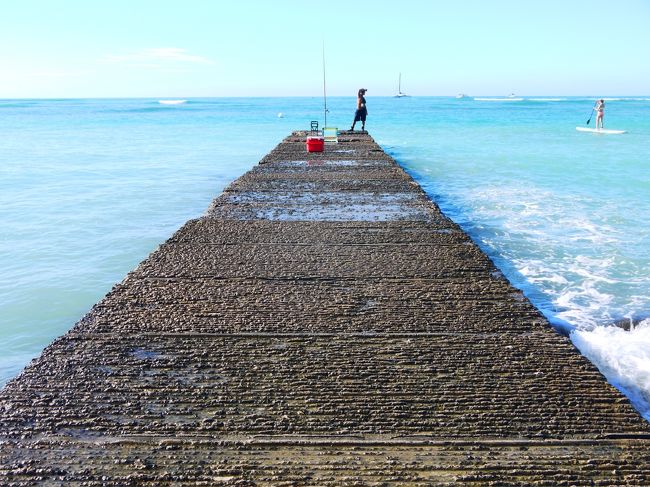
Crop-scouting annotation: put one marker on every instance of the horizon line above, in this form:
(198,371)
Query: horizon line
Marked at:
(159,97)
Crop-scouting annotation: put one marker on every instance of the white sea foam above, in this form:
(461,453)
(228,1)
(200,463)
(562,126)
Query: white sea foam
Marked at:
(537,272)
(172,102)
(623,99)
(570,255)
(583,305)
(498,99)
(623,357)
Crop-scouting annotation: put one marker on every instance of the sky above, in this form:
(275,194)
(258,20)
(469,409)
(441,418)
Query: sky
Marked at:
(212,48)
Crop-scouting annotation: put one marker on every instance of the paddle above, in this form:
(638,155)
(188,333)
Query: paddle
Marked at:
(591,115)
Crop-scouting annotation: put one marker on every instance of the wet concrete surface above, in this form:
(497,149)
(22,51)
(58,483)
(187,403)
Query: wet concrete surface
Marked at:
(322,324)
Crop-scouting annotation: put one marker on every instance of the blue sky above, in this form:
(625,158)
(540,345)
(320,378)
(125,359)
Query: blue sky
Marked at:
(117,48)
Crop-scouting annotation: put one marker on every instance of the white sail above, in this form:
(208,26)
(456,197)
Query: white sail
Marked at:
(399,88)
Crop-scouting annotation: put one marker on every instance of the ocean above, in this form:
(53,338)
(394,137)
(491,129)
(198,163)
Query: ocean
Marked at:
(88,188)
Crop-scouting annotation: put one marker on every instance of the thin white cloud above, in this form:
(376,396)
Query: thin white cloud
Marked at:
(59,73)
(160,57)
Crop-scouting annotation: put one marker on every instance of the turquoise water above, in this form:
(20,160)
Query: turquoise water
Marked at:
(88,188)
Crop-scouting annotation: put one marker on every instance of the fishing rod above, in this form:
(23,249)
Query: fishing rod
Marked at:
(324,87)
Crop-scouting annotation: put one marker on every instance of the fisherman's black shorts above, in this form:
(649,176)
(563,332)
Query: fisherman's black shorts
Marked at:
(360,115)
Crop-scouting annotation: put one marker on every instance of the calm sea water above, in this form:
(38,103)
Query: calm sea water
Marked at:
(88,188)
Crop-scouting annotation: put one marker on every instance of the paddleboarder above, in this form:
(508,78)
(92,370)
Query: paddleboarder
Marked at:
(600,113)
(362,111)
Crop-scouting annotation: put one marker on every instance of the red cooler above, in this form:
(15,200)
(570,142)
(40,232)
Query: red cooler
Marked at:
(315,144)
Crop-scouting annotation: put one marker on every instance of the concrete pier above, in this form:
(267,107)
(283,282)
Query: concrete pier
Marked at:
(323,324)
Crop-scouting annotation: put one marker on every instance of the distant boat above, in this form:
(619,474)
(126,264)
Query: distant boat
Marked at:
(512,95)
(461,95)
(399,88)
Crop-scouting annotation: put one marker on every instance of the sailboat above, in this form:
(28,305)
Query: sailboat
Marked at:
(399,88)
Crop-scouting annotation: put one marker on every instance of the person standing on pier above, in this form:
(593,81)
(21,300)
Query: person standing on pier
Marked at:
(362,111)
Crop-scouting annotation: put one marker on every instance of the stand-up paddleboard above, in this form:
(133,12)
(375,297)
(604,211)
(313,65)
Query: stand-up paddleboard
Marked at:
(600,131)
